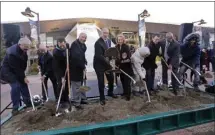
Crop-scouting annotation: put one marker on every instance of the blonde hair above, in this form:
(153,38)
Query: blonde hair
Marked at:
(122,36)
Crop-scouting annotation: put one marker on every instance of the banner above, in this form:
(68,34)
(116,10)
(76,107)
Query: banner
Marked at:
(33,25)
(142,31)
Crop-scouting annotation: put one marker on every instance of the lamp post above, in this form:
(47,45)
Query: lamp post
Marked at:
(28,13)
(200,22)
(143,15)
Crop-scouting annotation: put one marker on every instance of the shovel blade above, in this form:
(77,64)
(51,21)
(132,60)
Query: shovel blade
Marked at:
(84,88)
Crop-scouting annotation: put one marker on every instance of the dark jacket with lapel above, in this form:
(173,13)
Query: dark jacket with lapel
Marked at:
(149,62)
(124,62)
(59,62)
(45,62)
(14,65)
(77,60)
(99,62)
(173,51)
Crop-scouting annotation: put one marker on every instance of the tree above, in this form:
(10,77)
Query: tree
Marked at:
(3,49)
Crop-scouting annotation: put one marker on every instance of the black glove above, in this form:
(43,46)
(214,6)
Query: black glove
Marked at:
(67,45)
(144,79)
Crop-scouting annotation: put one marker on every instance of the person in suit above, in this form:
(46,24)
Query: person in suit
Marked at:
(46,69)
(59,67)
(77,67)
(101,64)
(13,69)
(124,63)
(150,63)
(170,53)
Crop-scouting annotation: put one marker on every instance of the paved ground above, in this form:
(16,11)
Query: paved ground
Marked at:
(35,86)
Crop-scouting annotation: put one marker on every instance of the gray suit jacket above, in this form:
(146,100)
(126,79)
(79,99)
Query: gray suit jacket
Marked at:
(173,52)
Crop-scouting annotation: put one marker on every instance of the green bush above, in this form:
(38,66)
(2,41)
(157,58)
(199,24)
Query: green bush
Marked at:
(33,69)
(3,50)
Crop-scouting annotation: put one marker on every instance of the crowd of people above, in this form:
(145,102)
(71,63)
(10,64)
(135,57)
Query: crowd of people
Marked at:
(139,63)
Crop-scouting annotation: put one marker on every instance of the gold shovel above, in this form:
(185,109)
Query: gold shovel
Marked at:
(84,88)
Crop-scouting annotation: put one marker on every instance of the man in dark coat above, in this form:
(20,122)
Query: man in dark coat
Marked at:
(13,72)
(101,64)
(60,66)
(77,67)
(170,53)
(191,52)
(150,63)
(46,68)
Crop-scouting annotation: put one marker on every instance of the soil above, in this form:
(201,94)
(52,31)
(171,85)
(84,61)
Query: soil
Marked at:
(115,109)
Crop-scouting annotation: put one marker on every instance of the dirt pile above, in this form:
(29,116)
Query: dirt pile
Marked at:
(115,109)
(41,119)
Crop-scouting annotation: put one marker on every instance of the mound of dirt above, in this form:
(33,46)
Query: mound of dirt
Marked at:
(115,109)
(42,119)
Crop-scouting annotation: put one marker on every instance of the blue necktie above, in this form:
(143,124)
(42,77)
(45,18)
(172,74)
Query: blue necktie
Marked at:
(107,43)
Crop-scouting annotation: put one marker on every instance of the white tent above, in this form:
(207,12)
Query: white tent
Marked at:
(93,33)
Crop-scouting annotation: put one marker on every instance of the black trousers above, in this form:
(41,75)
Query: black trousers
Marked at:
(164,73)
(54,84)
(126,84)
(65,93)
(150,76)
(110,78)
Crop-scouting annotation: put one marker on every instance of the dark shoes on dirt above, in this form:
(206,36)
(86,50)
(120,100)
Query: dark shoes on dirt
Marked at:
(178,93)
(126,98)
(196,88)
(112,95)
(102,102)
(84,102)
(15,112)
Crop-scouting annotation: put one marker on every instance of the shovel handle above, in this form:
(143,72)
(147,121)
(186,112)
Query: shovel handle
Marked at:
(172,72)
(31,98)
(45,91)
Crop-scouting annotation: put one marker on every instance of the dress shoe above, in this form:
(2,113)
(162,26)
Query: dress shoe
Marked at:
(127,98)
(112,95)
(79,107)
(102,102)
(84,102)
(15,112)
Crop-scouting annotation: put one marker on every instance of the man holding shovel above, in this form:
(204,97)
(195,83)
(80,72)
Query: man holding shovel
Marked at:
(170,60)
(78,70)
(60,66)
(191,52)
(13,72)
(45,64)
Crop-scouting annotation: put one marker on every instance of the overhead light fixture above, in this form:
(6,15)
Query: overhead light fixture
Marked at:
(145,14)
(202,22)
(27,12)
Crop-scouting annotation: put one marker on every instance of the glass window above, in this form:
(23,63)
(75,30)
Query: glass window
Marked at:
(50,41)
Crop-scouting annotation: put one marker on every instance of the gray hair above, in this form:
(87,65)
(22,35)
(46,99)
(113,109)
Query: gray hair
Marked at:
(105,30)
(24,41)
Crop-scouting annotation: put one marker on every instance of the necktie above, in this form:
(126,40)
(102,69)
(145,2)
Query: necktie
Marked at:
(166,48)
(106,42)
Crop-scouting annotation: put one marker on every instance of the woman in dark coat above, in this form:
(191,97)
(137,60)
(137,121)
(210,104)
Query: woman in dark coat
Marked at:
(124,63)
